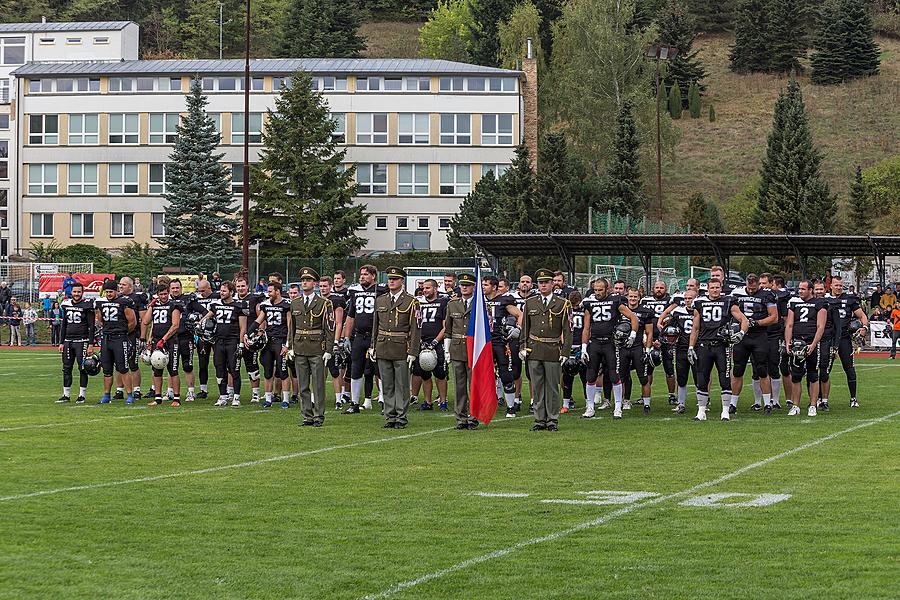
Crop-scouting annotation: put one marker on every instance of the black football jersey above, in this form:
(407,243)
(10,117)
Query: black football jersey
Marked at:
(496,309)
(520,301)
(714,314)
(577,324)
(805,314)
(183,301)
(433,314)
(251,301)
(843,307)
(227,316)
(361,305)
(776,330)
(754,306)
(645,316)
(684,318)
(113,317)
(276,317)
(603,314)
(162,317)
(139,302)
(338,301)
(78,319)
(200,305)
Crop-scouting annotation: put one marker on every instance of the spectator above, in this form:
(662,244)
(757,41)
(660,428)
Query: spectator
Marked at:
(261,286)
(68,282)
(888,299)
(5,295)
(56,315)
(877,315)
(14,320)
(216,280)
(198,280)
(875,298)
(895,330)
(47,304)
(60,296)
(29,318)
(138,288)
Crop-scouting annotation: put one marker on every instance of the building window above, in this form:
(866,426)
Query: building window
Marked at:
(65,85)
(496,130)
(371,128)
(164,128)
(4,159)
(82,225)
(372,178)
(402,222)
(12,50)
(339,136)
(4,122)
(418,84)
(158,179)
(42,179)
(237,128)
(101,41)
(77,85)
(423,222)
(123,128)
(4,95)
(281,82)
(498,170)
(393,84)
(43,129)
(41,224)
(47,41)
(456,129)
(502,84)
(368,84)
(329,84)
(476,84)
(121,224)
(216,118)
(146,84)
(413,128)
(237,179)
(413,180)
(123,179)
(256,84)
(228,84)
(443,222)
(158,224)
(84,129)
(73,40)
(451,84)
(456,180)
(40,86)
(121,84)
(82,179)
(4,208)
(174,84)
(380,222)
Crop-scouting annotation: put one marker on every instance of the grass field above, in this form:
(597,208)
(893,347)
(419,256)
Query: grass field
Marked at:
(195,502)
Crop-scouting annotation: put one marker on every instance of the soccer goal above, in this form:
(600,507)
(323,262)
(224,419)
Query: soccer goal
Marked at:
(634,276)
(700,273)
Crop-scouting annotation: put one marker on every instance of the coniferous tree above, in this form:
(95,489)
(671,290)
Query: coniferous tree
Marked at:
(785,35)
(845,46)
(560,203)
(515,212)
(712,114)
(322,29)
(749,54)
(677,27)
(694,100)
(862,220)
(676,101)
(713,15)
(623,187)
(304,200)
(701,215)
(201,228)
(863,55)
(486,17)
(475,212)
(793,196)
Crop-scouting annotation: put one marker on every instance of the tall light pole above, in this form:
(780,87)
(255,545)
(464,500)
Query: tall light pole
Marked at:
(245,208)
(659,52)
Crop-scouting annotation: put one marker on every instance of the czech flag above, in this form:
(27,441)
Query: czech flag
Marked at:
(482,391)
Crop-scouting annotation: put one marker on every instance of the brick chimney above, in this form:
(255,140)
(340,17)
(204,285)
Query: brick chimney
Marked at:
(530,102)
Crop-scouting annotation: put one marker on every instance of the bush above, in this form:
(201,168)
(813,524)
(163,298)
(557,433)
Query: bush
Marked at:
(694,100)
(712,114)
(675,100)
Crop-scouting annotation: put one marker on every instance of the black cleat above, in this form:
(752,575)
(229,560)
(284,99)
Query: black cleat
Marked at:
(203,395)
(63,400)
(776,405)
(646,409)
(767,410)
(473,425)
(732,409)
(318,423)
(306,424)
(137,395)
(552,427)
(79,400)
(120,395)
(462,425)
(756,407)
(387,426)
(673,400)
(825,407)
(517,406)
(294,399)
(680,409)
(538,427)
(352,409)
(399,425)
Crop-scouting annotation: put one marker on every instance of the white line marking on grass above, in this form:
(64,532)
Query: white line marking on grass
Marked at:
(411,583)
(500,495)
(753,500)
(68,423)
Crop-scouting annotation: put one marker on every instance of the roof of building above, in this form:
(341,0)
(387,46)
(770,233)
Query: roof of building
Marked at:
(269,66)
(72,26)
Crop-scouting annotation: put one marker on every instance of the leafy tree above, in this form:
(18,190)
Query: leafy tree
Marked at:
(136,260)
(322,29)
(200,28)
(560,203)
(786,35)
(447,35)
(486,18)
(476,210)
(624,193)
(304,201)
(883,184)
(200,225)
(677,27)
(694,100)
(24,11)
(845,46)
(550,11)
(523,23)
(84,253)
(515,211)
(676,102)
(750,51)
(41,252)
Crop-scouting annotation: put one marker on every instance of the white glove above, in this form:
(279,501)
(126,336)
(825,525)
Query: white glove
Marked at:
(514,333)
(631,338)
(737,337)
(692,355)
(584,354)
(371,353)
(290,354)
(563,359)
(410,360)
(326,357)
(522,354)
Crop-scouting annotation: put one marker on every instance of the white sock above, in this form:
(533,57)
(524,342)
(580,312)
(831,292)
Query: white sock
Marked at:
(136,388)
(356,386)
(268,396)
(565,401)
(617,394)
(380,396)
(343,389)
(702,399)
(776,390)
(734,400)
(203,387)
(646,400)
(190,391)
(825,400)
(255,392)
(510,398)
(757,392)
(767,399)
(591,395)
(285,396)
(682,395)
(726,401)
(229,390)
(170,391)
(499,387)
(67,391)
(82,391)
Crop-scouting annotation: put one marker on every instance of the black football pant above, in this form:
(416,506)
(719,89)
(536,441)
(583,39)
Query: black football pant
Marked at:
(632,359)
(274,363)
(204,351)
(251,361)
(808,367)
(757,346)
(114,354)
(603,354)
(824,350)
(668,359)
(132,356)
(74,351)
(504,366)
(848,362)
(227,361)
(777,365)
(359,363)
(439,372)
(186,353)
(709,355)
(568,379)
(515,361)
(683,368)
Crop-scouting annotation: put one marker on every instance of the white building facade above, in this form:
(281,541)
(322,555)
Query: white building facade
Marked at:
(421,133)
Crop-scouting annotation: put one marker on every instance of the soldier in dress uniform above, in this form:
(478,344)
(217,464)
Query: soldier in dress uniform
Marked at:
(547,343)
(312,335)
(456,325)
(396,337)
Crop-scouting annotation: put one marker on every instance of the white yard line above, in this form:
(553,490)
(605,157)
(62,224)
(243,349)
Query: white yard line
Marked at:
(466,564)
(84,421)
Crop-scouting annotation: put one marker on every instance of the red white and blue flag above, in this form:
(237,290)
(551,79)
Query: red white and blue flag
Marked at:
(482,390)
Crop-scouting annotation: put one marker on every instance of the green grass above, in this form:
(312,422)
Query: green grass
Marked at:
(386,507)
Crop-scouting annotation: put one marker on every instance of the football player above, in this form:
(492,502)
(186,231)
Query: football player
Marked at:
(451,290)
(574,366)
(434,312)
(116,315)
(250,300)
(760,308)
(603,311)
(274,313)
(162,320)
(200,303)
(658,303)
(636,358)
(139,302)
(185,336)
(559,285)
(846,307)
(682,317)
(337,372)
(502,309)
(360,313)
(779,373)
(231,327)
(805,324)
(76,336)
(522,293)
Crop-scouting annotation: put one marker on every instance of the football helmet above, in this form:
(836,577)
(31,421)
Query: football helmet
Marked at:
(191,323)
(622,333)
(91,365)
(159,359)
(206,330)
(257,340)
(654,357)
(428,359)
(855,326)
(799,350)
(670,334)
(146,354)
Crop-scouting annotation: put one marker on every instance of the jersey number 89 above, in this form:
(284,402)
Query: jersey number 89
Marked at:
(365,304)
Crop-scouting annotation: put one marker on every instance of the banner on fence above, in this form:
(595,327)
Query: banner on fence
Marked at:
(188,281)
(51,283)
(880,334)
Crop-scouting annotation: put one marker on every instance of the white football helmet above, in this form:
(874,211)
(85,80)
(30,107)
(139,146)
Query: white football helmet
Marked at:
(159,359)
(146,355)
(428,359)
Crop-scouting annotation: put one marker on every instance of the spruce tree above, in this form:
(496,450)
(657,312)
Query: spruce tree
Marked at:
(201,228)
(677,27)
(623,187)
(785,35)
(560,203)
(701,215)
(694,100)
(475,212)
(750,51)
(713,15)
(304,200)
(829,60)
(676,101)
(712,114)
(515,212)
(862,51)
(793,196)
(322,29)
(862,220)
(486,18)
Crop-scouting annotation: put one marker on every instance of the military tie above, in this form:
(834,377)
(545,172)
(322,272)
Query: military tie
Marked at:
(393,301)
(546,302)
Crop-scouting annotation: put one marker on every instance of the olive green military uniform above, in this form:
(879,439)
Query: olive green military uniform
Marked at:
(396,335)
(311,338)
(456,325)
(547,335)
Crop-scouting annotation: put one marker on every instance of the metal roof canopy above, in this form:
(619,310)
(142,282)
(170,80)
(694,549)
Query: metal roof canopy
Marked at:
(645,246)
(63,26)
